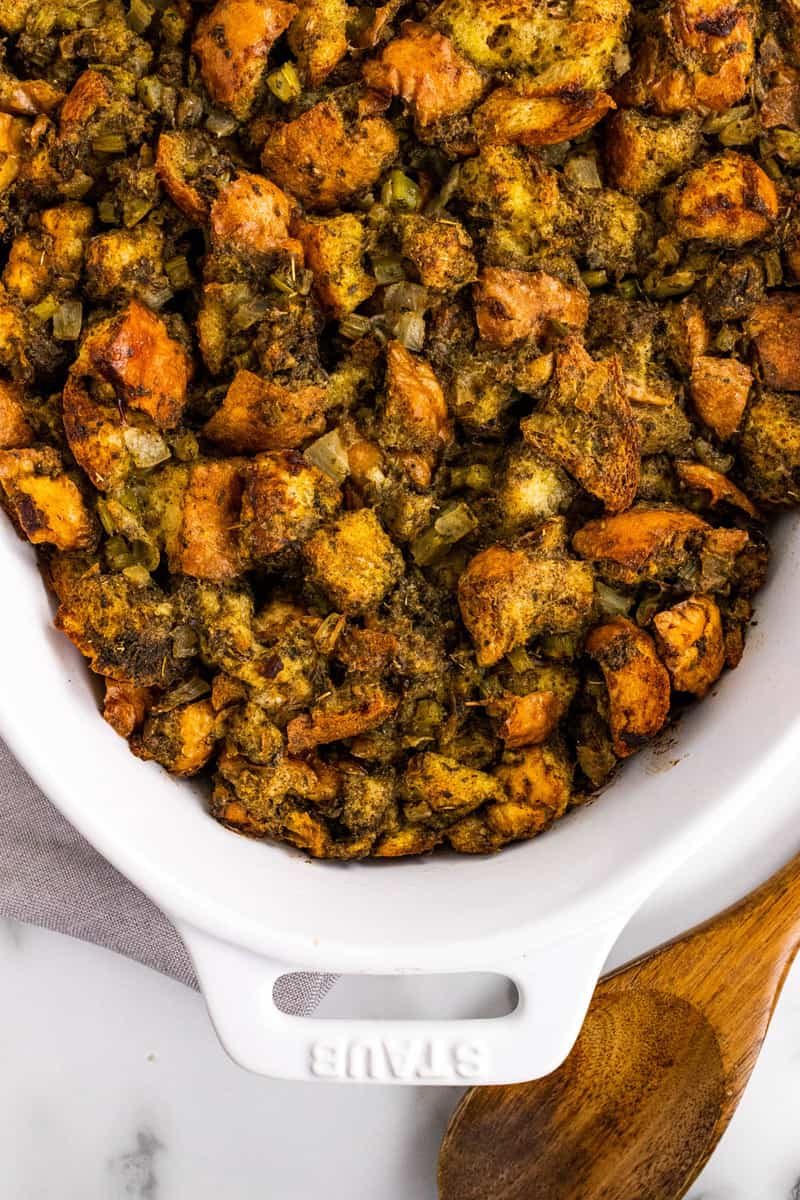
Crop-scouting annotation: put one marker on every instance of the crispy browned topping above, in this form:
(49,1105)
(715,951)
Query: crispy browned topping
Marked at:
(396,394)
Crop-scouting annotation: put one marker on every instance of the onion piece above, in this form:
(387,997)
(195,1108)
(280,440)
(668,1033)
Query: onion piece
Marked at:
(410,330)
(145,448)
(329,454)
(611,602)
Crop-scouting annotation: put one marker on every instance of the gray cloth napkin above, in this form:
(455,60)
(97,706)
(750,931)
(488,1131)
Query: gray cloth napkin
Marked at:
(51,876)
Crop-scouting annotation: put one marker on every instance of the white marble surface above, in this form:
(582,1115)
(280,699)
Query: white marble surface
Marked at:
(112,1084)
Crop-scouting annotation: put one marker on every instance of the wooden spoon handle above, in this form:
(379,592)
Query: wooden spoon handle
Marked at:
(732,968)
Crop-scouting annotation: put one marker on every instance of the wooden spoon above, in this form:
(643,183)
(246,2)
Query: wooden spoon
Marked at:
(666,1050)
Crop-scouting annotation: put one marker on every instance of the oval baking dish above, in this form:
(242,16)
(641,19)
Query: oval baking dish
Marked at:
(543,912)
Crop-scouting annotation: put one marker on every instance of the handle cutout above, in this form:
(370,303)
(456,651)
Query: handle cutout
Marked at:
(461,996)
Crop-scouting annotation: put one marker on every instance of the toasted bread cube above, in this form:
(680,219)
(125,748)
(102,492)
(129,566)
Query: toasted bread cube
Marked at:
(531,490)
(12,145)
(409,839)
(664,427)
(517,193)
(124,630)
(232,44)
(285,500)
(91,93)
(251,216)
(440,790)
(511,306)
(507,597)
(27,273)
(95,432)
(12,134)
(719,488)
(643,151)
(322,161)
(69,227)
(318,37)
(728,201)
(586,425)
(207,545)
(770,448)
(334,249)
(191,171)
(637,682)
(368,806)
(124,262)
(414,417)
(719,388)
(641,544)
(774,326)
(537,781)
(125,706)
(441,251)
(13,14)
(697,56)
(691,643)
(573,43)
(148,369)
(14,340)
(182,740)
(367,651)
(526,720)
(354,562)
(44,502)
(688,334)
(344,714)
(259,414)
(532,117)
(619,232)
(427,72)
(15,432)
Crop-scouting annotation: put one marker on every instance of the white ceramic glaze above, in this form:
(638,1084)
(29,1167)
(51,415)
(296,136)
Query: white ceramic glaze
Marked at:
(543,912)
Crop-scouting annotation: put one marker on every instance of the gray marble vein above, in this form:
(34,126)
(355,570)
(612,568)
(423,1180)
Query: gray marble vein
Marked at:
(134,1172)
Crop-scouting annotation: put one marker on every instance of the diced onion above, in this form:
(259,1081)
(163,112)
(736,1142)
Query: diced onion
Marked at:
(612,603)
(329,632)
(182,693)
(221,124)
(388,268)
(329,454)
(137,574)
(448,189)
(581,172)
(455,522)
(134,210)
(520,659)
(401,192)
(156,295)
(405,297)
(140,14)
(184,642)
(355,326)
(477,477)
(146,449)
(178,272)
(110,143)
(410,330)
(67,321)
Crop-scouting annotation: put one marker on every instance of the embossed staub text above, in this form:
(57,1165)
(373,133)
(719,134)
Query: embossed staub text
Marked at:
(399,1058)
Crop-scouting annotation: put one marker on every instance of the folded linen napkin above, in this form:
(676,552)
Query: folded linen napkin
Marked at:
(51,876)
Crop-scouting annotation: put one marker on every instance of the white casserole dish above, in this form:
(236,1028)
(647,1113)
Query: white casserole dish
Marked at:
(544,913)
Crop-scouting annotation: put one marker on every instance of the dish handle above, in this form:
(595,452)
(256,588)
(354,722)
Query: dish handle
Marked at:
(554,985)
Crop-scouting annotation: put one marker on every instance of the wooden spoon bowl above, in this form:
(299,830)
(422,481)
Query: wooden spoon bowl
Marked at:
(667,1047)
